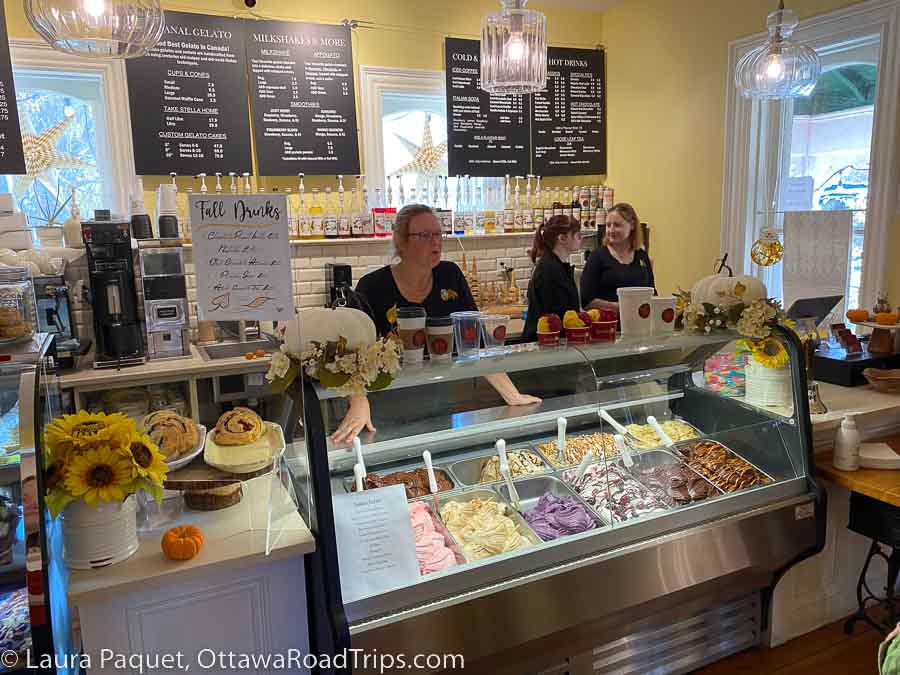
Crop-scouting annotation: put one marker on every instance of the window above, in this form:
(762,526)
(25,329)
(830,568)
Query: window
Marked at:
(87,102)
(840,139)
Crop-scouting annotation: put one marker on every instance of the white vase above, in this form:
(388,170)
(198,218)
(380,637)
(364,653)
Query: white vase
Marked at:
(100,536)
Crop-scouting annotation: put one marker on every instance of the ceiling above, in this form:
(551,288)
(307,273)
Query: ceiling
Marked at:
(593,5)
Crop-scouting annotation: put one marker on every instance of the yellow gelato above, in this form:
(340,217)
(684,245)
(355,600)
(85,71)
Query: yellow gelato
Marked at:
(482,528)
(675,429)
(572,320)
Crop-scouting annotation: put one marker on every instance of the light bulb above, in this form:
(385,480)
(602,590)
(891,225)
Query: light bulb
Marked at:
(95,8)
(774,67)
(515,48)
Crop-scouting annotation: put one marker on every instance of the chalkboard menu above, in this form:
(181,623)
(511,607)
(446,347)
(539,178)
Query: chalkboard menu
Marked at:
(487,135)
(12,159)
(568,127)
(188,98)
(304,108)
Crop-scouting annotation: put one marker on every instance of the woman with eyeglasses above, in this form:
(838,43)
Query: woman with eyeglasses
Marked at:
(552,288)
(419,279)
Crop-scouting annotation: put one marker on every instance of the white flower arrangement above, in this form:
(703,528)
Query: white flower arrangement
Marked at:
(754,319)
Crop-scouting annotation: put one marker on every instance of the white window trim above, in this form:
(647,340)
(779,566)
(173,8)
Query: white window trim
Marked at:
(880,17)
(374,82)
(36,54)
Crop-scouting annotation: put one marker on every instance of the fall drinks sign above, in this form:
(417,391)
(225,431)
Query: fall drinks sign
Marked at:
(242,254)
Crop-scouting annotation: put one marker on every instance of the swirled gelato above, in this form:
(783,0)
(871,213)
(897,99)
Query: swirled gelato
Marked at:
(721,467)
(613,493)
(676,485)
(603,445)
(555,517)
(521,463)
(431,547)
(482,528)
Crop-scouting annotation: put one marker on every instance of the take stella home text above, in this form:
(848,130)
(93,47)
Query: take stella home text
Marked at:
(214,209)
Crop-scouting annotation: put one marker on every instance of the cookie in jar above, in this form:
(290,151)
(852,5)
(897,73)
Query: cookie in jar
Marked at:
(17,304)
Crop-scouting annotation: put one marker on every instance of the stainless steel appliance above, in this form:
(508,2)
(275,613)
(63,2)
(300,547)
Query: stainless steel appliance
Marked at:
(662,583)
(166,314)
(54,316)
(117,328)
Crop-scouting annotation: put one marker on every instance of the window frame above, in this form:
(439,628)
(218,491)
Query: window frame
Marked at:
(374,82)
(749,135)
(117,150)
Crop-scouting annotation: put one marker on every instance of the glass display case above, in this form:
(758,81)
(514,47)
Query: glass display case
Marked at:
(33,604)
(590,541)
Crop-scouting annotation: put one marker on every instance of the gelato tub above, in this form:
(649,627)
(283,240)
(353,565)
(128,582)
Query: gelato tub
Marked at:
(720,466)
(485,468)
(551,508)
(614,493)
(577,447)
(483,525)
(677,430)
(671,481)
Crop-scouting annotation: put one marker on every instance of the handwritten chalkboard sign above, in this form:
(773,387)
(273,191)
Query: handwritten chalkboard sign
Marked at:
(188,99)
(302,97)
(242,256)
(568,126)
(12,159)
(487,135)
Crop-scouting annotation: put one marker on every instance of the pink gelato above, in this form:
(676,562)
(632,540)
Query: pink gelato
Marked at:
(431,548)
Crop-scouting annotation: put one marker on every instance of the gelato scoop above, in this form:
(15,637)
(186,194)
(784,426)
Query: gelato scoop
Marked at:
(415,482)
(573,319)
(721,467)
(676,430)
(613,493)
(521,463)
(549,323)
(482,528)
(555,517)
(603,445)
(431,548)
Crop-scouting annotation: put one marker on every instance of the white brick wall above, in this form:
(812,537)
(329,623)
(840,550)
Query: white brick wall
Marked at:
(308,267)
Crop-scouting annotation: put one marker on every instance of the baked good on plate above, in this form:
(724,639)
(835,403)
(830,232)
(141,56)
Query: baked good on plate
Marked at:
(239,426)
(173,434)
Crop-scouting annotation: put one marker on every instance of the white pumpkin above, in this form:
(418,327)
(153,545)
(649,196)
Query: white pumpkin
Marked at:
(320,324)
(727,291)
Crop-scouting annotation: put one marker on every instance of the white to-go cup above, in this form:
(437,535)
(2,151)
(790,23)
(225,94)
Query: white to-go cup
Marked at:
(635,310)
(662,315)
(411,326)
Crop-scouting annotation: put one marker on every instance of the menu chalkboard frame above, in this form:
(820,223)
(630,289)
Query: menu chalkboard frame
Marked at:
(12,160)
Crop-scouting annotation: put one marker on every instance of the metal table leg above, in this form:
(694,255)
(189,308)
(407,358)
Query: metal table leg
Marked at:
(865,596)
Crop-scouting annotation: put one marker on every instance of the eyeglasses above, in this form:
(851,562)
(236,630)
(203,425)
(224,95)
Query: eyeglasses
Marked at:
(426,236)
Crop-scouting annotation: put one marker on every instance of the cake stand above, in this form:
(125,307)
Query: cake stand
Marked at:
(882,340)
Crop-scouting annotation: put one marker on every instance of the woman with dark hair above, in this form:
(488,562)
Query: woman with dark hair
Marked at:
(552,288)
(621,261)
(420,279)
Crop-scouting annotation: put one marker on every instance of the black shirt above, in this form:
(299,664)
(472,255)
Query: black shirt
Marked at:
(603,275)
(551,290)
(380,297)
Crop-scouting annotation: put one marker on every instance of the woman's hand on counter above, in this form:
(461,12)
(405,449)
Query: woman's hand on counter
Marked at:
(508,391)
(358,417)
(521,399)
(597,303)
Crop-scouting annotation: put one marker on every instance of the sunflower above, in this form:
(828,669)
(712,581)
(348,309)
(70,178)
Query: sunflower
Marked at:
(80,431)
(770,353)
(100,473)
(146,459)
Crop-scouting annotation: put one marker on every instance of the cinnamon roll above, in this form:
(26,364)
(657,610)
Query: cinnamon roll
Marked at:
(239,426)
(173,434)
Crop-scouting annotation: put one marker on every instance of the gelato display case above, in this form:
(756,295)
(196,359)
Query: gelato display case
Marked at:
(637,519)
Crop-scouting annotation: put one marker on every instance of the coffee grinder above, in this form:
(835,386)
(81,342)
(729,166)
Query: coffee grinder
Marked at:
(338,281)
(117,328)
(165,300)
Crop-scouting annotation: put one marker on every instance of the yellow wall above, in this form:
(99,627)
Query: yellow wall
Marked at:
(666,78)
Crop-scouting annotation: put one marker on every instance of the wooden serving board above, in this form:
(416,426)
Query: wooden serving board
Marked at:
(198,475)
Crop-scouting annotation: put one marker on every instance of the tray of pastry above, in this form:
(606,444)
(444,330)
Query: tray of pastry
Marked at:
(551,508)
(577,445)
(483,467)
(483,524)
(242,443)
(720,465)
(412,475)
(670,480)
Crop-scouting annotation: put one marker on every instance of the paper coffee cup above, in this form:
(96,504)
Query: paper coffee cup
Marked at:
(411,326)
(635,310)
(662,316)
(439,333)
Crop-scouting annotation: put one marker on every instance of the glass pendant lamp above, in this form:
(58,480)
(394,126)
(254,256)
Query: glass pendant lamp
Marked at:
(514,50)
(780,68)
(118,29)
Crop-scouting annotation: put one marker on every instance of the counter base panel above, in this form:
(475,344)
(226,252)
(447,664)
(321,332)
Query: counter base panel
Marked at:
(593,605)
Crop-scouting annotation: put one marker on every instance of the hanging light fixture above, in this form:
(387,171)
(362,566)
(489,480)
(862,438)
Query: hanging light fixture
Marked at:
(780,68)
(514,50)
(118,29)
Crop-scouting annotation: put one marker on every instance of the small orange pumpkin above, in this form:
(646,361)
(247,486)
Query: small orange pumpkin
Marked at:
(182,542)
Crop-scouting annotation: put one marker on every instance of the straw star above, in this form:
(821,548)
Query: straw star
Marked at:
(427,157)
(42,157)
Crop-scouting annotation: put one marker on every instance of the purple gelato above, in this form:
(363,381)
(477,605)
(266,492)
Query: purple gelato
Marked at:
(555,517)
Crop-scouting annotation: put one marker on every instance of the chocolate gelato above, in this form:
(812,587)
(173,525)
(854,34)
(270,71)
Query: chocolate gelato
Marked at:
(721,467)
(416,481)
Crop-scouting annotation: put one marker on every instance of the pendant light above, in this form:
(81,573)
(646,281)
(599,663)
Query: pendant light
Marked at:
(514,50)
(780,68)
(118,29)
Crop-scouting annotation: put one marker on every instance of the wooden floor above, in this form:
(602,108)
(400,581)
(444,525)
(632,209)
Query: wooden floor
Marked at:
(827,651)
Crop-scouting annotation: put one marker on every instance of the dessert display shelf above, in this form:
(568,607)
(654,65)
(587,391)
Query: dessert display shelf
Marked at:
(700,516)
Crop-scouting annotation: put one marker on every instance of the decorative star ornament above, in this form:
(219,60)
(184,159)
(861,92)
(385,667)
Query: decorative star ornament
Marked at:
(42,157)
(428,159)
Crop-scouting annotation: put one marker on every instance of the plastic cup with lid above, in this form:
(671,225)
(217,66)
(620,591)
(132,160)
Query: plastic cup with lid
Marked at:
(467,334)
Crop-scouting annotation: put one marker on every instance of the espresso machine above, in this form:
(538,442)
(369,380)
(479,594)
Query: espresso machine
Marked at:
(338,281)
(165,300)
(117,327)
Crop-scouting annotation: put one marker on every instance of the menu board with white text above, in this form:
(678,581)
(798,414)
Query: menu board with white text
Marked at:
(12,157)
(188,99)
(302,98)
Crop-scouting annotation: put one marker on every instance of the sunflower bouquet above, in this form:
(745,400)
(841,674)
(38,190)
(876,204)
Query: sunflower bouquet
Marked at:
(97,457)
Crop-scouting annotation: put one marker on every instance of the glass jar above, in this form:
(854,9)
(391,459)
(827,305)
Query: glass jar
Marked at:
(18,313)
